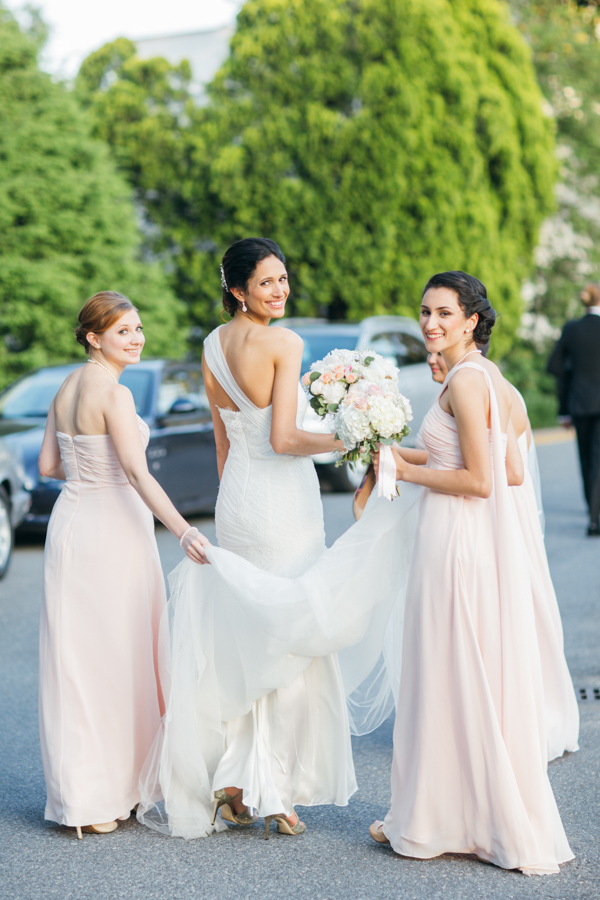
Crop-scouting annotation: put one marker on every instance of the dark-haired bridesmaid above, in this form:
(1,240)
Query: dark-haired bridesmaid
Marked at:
(100,700)
(469,772)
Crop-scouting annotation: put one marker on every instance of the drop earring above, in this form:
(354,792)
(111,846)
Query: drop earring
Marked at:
(244,307)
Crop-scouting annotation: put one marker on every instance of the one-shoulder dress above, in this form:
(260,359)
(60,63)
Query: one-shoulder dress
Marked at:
(469,770)
(269,641)
(104,593)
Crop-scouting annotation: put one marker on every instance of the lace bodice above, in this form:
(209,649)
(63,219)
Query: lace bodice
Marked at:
(269,506)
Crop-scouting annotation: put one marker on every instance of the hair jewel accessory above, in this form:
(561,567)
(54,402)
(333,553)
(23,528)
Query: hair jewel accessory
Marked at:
(223,279)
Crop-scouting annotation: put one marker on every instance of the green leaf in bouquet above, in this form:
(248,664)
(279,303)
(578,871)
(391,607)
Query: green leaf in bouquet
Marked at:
(313,376)
(387,442)
(317,405)
(368,360)
(332,407)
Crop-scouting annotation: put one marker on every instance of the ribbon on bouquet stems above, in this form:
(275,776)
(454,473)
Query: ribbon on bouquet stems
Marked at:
(386,479)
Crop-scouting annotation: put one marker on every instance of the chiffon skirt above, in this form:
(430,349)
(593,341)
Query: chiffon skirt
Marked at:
(562,714)
(239,636)
(470,744)
(100,701)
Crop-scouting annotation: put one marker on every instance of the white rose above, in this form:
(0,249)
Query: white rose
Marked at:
(333,392)
(316,387)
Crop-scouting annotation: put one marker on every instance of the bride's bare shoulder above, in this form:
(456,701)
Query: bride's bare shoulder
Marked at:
(284,340)
(283,337)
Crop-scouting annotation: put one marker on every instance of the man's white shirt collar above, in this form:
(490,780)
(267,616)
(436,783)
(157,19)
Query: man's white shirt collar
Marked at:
(594,310)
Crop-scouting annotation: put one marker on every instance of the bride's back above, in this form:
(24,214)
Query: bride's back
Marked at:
(249,351)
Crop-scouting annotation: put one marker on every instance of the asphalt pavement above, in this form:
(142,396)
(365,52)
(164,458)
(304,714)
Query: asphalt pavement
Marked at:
(335,858)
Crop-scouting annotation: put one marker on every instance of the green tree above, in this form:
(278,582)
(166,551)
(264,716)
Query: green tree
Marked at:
(67,223)
(377,141)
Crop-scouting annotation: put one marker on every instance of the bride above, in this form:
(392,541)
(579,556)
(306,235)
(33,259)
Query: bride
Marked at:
(256,698)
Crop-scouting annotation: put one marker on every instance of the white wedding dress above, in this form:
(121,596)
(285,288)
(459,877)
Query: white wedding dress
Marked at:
(255,691)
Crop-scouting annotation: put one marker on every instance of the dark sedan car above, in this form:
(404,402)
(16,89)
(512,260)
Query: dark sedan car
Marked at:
(168,395)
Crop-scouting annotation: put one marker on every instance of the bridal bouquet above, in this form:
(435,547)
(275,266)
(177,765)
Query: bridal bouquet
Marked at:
(359,389)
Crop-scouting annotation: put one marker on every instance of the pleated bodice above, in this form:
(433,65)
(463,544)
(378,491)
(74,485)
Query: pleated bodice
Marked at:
(439,436)
(92,458)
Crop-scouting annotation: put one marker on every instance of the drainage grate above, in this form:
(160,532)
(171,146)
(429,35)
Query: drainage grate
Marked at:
(588,693)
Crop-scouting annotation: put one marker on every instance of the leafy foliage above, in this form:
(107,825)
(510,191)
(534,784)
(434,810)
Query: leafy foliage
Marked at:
(377,141)
(565,40)
(67,224)
(564,37)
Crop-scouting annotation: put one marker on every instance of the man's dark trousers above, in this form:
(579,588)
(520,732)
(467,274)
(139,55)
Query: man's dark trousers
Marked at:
(575,362)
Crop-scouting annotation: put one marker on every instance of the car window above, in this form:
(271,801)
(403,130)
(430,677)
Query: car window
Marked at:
(404,349)
(139,382)
(181,383)
(32,396)
(319,344)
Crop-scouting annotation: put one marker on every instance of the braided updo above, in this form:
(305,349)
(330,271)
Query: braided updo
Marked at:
(99,313)
(472,299)
(239,263)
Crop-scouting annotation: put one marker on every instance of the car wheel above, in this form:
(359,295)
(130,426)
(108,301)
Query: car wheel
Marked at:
(343,479)
(6,533)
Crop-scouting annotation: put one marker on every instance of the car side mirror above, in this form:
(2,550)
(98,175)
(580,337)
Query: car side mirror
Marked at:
(183,405)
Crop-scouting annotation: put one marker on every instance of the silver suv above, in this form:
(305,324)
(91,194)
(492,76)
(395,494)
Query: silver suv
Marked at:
(397,338)
(14,499)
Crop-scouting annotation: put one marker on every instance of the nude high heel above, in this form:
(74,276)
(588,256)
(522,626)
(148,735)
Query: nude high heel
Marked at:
(224,802)
(283,825)
(375,830)
(102,828)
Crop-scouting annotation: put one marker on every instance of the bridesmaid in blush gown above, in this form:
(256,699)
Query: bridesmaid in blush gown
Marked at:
(469,771)
(100,699)
(562,715)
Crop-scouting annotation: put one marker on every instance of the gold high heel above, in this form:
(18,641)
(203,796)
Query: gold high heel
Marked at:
(102,828)
(224,802)
(375,830)
(283,825)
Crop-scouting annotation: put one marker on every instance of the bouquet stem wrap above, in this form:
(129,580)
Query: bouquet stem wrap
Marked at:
(386,478)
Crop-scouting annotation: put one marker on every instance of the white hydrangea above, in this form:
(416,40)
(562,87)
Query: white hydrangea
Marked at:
(386,417)
(352,426)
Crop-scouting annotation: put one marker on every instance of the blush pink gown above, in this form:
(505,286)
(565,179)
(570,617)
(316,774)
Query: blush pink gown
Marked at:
(100,703)
(562,714)
(469,772)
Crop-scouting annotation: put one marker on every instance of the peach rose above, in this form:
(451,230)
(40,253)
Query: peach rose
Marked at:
(326,377)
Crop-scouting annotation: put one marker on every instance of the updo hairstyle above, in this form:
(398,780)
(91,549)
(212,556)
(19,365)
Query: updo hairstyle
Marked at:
(239,263)
(472,298)
(99,313)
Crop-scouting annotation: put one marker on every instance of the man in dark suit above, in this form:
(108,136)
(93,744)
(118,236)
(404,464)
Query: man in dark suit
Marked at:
(575,361)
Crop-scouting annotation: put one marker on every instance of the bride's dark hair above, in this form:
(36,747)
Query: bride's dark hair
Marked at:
(239,263)
(472,298)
